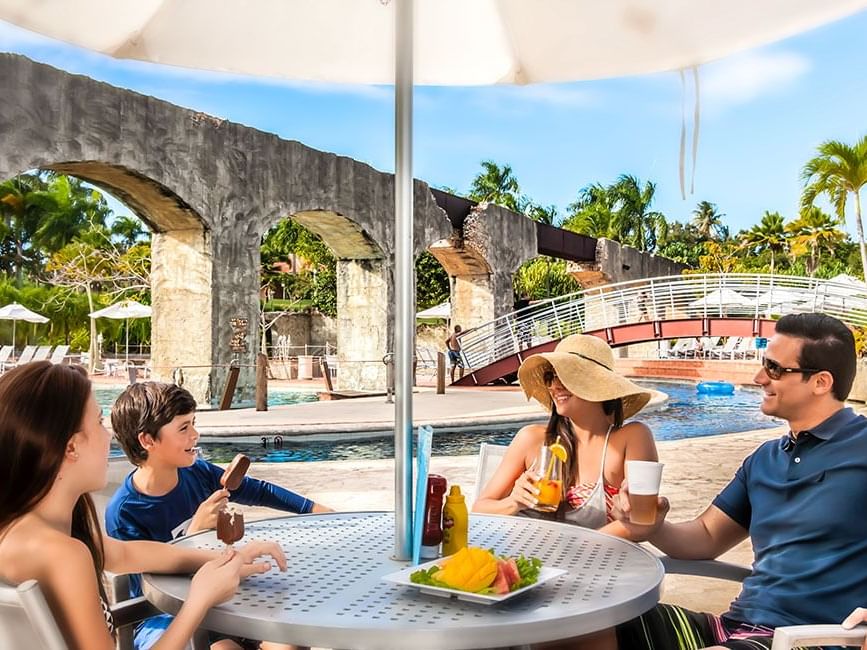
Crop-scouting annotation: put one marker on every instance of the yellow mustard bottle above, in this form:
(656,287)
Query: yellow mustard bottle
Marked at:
(455,522)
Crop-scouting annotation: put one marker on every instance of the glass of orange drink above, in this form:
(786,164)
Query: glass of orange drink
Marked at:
(549,467)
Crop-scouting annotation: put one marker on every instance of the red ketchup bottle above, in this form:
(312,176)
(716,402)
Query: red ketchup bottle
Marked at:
(433,516)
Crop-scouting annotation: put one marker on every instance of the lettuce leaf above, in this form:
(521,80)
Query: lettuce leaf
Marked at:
(425,577)
(528,569)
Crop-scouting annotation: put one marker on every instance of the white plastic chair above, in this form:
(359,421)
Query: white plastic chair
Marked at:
(5,353)
(490,456)
(26,356)
(26,621)
(727,350)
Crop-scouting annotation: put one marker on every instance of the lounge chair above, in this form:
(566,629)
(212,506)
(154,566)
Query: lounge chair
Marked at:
(26,356)
(42,353)
(490,456)
(59,354)
(5,353)
(746,349)
(727,350)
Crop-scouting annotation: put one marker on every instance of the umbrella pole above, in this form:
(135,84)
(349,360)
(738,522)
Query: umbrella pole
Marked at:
(126,322)
(404,330)
(13,340)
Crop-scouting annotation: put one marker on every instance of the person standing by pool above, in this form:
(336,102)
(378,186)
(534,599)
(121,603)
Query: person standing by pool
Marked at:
(172,492)
(454,347)
(799,499)
(589,403)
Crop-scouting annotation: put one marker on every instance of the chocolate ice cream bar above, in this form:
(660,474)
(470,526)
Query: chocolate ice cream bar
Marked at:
(230,526)
(234,474)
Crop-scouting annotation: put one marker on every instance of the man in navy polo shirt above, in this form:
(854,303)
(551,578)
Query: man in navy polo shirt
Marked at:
(800,499)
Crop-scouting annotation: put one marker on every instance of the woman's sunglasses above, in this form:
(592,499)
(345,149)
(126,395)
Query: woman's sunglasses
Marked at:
(548,377)
(774,370)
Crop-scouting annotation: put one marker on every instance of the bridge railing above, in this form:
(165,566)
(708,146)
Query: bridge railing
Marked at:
(657,299)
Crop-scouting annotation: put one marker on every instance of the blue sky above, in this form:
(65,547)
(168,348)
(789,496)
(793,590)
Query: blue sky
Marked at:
(763,114)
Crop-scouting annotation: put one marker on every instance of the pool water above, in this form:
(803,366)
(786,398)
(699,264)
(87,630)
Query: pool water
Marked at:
(105,397)
(687,414)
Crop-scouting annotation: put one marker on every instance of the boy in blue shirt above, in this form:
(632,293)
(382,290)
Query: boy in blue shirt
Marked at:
(172,492)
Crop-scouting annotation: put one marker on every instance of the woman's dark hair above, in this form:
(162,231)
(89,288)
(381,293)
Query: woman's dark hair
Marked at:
(558,430)
(827,344)
(41,407)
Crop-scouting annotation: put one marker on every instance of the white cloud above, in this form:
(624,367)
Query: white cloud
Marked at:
(743,78)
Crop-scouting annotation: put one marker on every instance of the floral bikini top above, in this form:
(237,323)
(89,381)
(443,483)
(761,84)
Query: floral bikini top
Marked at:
(590,504)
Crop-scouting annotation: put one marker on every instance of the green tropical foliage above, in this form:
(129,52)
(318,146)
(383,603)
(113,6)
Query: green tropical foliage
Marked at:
(620,211)
(497,185)
(768,235)
(544,277)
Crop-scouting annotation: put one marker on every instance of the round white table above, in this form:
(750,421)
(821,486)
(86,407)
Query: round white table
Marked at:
(332,594)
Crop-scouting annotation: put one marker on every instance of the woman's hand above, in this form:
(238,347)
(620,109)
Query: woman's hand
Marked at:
(206,514)
(217,580)
(255,549)
(524,493)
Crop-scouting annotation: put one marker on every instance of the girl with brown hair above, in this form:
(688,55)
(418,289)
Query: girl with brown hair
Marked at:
(55,451)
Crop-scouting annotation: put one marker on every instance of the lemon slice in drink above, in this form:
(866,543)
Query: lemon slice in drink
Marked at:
(559,451)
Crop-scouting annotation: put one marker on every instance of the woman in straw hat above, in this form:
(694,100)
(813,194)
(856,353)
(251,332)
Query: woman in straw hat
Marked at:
(588,402)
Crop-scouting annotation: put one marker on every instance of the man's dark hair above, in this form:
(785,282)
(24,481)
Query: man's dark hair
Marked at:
(827,345)
(147,408)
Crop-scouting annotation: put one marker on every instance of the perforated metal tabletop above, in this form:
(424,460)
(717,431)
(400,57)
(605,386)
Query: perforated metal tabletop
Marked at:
(332,595)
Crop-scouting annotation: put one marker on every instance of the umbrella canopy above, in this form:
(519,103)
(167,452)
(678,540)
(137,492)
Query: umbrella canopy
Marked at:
(422,41)
(724,297)
(124,310)
(15,312)
(781,296)
(456,41)
(442,310)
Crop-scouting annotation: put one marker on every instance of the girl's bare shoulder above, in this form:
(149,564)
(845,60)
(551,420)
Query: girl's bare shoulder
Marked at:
(33,550)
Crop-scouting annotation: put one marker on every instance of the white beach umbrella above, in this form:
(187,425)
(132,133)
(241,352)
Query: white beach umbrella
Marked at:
(781,297)
(453,42)
(442,310)
(16,312)
(124,310)
(723,298)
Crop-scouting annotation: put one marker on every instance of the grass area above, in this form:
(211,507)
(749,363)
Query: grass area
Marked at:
(288,305)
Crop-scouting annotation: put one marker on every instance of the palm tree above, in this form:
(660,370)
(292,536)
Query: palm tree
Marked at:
(708,221)
(595,213)
(128,230)
(769,235)
(838,170)
(498,185)
(23,202)
(812,232)
(542,214)
(643,227)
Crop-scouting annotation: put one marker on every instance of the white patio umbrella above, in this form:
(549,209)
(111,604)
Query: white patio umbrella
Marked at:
(455,42)
(125,309)
(442,310)
(723,298)
(16,312)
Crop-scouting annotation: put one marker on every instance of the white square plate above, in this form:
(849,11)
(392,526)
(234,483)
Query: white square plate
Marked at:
(402,578)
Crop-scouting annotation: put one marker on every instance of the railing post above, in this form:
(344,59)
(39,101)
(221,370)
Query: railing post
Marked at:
(557,320)
(653,299)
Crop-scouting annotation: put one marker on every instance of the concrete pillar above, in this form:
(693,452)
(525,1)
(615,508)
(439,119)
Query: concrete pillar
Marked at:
(480,298)
(365,309)
(181,266)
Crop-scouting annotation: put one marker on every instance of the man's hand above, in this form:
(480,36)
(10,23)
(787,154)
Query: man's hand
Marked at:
(856,618)
(206,514)
(620,512)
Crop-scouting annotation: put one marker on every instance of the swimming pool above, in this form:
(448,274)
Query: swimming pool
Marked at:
(687,414)
(105,397)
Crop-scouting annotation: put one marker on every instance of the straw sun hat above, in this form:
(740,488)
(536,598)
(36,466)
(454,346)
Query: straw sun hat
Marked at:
(585,366)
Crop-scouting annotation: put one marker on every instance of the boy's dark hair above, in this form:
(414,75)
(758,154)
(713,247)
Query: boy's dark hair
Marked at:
(828,345)
(147,407)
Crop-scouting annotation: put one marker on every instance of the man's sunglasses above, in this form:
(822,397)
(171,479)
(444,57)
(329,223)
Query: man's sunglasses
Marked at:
(774,370)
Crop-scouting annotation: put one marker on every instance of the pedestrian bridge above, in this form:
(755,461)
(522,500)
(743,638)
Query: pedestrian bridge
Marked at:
(656,309)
